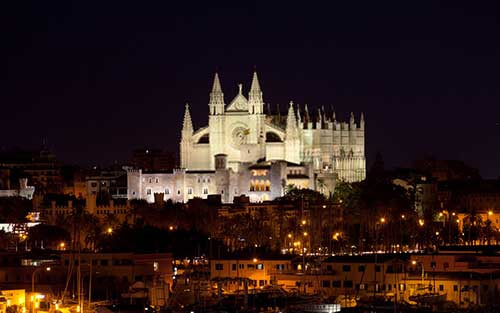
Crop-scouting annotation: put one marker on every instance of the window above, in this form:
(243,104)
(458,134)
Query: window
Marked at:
(150,180)
(148,191)
(260,266)
(157,180)
(93,184)
(280,267)
(261,283)
(219,266)
(222,192)
(441,288)
(361,268)
(241,266)
(347,283)
(233,267)
(433,264)
(325,284)
(336,284)
(205,191)
(346,268)
(250,266)
(329,268)
(167,191)
(190,191)
(178,191)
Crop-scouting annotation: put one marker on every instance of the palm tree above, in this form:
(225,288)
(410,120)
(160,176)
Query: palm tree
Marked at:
(472,226)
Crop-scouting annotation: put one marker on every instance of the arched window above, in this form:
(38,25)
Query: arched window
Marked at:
(262,186)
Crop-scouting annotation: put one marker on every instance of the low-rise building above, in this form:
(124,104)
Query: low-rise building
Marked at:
(259,272)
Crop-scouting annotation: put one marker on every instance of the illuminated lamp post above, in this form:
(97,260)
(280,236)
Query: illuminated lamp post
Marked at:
(33,287)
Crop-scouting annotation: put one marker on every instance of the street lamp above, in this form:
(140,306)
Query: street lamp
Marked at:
(414,262)
(109,231)
(33,286)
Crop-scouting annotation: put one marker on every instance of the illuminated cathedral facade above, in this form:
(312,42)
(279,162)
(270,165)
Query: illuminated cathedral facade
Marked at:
(247,151)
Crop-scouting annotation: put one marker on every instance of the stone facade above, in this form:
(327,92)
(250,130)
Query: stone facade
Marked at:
(245,151)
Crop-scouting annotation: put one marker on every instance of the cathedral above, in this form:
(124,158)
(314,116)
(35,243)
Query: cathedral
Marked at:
(245,150)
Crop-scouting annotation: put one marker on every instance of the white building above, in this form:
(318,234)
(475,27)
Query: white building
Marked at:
(245,151)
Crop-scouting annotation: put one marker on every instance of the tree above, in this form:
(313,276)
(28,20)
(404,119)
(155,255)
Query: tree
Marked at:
(49,235)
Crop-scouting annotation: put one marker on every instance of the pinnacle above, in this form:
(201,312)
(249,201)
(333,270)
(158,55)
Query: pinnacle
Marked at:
(187,123)
(216,86)
(255,87)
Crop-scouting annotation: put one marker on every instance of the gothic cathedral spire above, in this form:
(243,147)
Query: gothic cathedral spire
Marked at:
(216,97)
(187,124)
(291,123)
(292,140)
(186,138)
(255,102)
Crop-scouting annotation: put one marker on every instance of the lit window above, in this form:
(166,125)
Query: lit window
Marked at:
(155,266)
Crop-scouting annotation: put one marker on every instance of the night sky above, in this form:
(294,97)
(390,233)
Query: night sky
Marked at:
(98,79)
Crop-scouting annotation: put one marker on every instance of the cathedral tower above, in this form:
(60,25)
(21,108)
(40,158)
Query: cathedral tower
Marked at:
(255,102)
(216,120)
(216,104)
(292,138)
(186,138)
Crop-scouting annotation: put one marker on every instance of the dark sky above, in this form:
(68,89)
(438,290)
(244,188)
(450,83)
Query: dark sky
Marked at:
(98,79)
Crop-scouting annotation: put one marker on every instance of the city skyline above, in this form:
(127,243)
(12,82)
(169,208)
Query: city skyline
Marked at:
(96,88)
